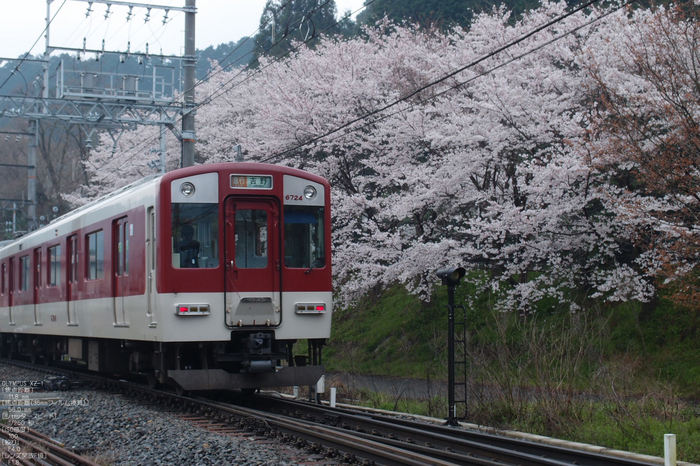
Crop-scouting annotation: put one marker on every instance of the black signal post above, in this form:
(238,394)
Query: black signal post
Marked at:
(451,277)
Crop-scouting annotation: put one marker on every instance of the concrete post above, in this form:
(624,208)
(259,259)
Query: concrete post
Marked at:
(670,450)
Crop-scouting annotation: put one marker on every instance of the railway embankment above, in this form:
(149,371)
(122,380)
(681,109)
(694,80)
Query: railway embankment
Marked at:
(615,375)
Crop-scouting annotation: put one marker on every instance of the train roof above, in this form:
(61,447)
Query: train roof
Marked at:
(254,167)
(242,167)
(102,199)
(69,216)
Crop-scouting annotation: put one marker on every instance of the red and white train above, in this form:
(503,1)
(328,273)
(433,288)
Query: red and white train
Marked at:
(203,278)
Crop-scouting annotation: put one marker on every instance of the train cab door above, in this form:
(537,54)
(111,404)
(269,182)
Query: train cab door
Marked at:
(71,277)
(252,262)
(120,266)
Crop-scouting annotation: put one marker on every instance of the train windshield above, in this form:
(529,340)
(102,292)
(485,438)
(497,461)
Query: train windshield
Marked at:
(195,240)
(304,245)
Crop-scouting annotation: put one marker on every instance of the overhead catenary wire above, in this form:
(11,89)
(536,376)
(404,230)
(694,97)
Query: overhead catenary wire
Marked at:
(437,81)
(272,62)
(441,93)
(461,69)
(281,57)
(281,39)
(34,45)
(443,78)
(162,29)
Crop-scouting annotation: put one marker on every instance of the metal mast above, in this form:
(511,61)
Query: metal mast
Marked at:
(119,105)
(110,103)
(190,65)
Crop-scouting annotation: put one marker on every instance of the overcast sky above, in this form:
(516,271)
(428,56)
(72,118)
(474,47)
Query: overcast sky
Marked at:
(218,21)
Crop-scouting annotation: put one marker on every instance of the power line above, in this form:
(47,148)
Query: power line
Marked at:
(280,58)
(457,71)
(427,86)
(34,45)
(152,139)
(443,92)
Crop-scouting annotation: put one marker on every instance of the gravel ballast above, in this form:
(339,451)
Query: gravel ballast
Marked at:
(117,430)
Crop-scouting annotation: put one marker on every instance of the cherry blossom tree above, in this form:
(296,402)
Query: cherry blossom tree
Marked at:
(118,161)
(646,137)
(507,166)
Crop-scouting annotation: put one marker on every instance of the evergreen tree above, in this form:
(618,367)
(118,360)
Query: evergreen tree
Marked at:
(230,55)
(439,13)
(284,22)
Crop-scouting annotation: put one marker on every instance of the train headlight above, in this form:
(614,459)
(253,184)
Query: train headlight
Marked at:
(310,308)
(192,309)
(187,189)
(309,192)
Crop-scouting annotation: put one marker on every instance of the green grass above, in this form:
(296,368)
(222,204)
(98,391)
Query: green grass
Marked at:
(636,425)
(637,361)
(397,335)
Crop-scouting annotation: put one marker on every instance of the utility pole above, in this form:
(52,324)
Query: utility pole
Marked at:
(189,68)
(31,175)
(104,101)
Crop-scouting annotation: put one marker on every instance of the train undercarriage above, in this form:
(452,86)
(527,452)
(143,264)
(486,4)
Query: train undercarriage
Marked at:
(249,361)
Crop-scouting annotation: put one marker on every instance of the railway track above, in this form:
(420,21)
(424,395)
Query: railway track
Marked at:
(383,436)
(344,436)
(22,445)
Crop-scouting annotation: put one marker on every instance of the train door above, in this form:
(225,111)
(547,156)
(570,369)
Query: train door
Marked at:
(252,262)
(37,285)
(120,262)
(71,277)
(11,287)
(151,265)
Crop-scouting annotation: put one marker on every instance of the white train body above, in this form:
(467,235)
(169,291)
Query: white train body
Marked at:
(204,278)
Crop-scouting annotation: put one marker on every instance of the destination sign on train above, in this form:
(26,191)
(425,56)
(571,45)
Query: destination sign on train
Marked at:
(251,181)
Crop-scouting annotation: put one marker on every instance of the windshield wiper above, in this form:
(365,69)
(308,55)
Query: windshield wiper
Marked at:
(320,261)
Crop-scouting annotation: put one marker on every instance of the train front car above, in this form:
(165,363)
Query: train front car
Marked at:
(243,273)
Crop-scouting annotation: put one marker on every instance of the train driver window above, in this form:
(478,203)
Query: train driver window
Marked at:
(304,245)
(195,235)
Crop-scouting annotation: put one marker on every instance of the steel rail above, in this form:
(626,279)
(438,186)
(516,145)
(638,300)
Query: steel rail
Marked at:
(34,442)
(353,444)
(440,437)
(372,437)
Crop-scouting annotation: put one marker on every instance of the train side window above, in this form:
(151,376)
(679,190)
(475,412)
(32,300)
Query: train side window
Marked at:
(195,240)
(24,273)
(304,237)
(122,233)
(54,262)
(152,235)
(72,244)
(126,247)
(3,278)
(95,255)
(37,261)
